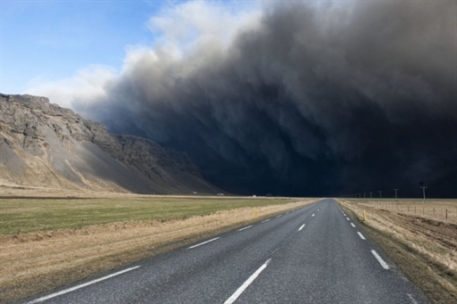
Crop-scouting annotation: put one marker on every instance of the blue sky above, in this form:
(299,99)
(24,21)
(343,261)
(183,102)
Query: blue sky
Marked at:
(49,40)
(59,48)
(69,50)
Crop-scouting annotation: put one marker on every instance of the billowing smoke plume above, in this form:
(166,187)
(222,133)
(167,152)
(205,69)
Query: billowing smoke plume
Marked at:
(307,99)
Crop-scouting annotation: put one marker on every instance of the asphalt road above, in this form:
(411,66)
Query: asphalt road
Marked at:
(312,255)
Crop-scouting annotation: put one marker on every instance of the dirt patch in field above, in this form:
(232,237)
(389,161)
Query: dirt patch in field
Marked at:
(34,263)
(424,248)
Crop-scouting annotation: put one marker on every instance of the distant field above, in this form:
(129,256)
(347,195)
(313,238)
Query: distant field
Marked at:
(19,216)
(436,209)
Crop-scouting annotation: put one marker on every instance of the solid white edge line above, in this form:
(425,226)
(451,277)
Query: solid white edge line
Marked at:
(53,295)
(361,235)
(380,260)
(264,221)
(246,284)
(203,243)
(247,227)
(278,215)
(352,224)
(301,227)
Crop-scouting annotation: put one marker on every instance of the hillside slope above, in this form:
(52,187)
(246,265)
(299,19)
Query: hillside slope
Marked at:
(44,145)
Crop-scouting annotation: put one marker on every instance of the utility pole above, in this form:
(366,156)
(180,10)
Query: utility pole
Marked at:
(363,194)
(380,193)
(395,193)
(423,190)
(371,194)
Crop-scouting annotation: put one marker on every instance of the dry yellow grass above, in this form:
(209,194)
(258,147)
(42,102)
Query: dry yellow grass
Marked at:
(422,244)
(37,262)
(438,210)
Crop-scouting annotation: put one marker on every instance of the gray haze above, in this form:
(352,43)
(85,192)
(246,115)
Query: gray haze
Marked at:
(330,99)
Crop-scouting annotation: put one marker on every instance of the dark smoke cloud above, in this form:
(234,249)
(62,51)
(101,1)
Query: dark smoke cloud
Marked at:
(325,100)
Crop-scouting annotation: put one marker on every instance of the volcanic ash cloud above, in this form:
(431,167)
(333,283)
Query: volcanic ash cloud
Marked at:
(310,99)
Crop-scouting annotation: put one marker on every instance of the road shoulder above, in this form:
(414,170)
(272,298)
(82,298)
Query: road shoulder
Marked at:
(435,279)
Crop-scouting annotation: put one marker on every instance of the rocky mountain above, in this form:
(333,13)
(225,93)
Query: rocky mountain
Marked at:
(44,145)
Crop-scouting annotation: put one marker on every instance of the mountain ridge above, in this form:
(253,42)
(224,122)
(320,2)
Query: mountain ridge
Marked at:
(45,145)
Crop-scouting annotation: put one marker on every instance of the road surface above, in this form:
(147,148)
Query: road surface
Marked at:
(315,254)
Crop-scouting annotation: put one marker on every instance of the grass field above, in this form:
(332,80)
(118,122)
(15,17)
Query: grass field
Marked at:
(18,216)
(419,236)
(46,243)
(444,210)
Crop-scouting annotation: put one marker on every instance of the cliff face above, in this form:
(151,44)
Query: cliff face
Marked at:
(44,145)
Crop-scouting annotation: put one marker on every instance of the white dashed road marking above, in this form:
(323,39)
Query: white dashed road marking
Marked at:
(411,298)
(380,260)
(203,243)
(247,227)
(39,300)
(246,284)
